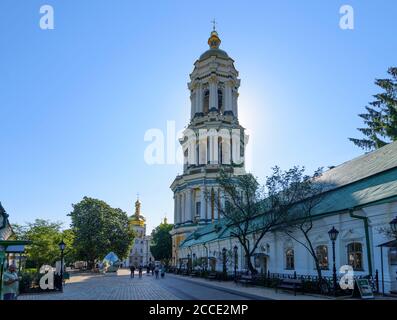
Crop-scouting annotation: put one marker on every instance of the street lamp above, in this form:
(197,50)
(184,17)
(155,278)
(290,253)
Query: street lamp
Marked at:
(235,262)
(333,235)
(194,260)
(224,261)
(393,226)
(188,262)
(62,246)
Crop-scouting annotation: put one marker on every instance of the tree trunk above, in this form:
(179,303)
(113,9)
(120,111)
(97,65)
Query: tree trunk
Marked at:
(251,267)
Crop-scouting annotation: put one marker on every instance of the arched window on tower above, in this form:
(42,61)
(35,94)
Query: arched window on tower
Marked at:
(220,101)
(206,102)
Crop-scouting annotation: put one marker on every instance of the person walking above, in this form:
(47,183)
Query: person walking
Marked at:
(140,271)
(156,272)
(132,269)
(162,271)
(10,283)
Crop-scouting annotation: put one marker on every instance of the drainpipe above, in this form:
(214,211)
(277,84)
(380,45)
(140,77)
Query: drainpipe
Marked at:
(206,248)
(365,220)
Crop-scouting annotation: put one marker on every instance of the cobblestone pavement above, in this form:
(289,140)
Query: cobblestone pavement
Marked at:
(109,286)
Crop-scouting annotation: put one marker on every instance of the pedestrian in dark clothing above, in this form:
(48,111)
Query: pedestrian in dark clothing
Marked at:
(140,271)
(162,271)
(156,271)
(132,269)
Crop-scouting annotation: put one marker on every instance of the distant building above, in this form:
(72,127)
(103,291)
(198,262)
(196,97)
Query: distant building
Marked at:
(140,252)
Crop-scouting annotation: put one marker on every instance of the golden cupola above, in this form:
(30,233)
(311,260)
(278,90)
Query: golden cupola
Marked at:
(137,219)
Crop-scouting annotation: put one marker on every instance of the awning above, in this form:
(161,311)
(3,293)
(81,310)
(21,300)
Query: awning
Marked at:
(7,245)
(389,244)
(15,249)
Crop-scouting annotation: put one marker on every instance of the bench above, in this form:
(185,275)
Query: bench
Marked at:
(290,284)
(195,273)
(246,279)
(211,276)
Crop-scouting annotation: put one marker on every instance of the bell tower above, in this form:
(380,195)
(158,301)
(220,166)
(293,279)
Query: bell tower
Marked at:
(213,140)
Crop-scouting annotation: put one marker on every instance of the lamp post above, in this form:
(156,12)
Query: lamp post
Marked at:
(62,246)
(194,260)
(333,235)
(224,262)
(188,262)
(235,262)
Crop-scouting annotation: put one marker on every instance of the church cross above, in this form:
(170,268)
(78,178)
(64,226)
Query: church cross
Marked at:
(214,24)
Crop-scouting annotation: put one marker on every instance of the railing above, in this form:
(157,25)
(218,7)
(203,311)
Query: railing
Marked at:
(272,279)
(372,279)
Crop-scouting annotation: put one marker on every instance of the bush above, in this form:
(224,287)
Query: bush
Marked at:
(29,280)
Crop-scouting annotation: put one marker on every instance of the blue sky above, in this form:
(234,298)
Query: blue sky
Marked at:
(76,101)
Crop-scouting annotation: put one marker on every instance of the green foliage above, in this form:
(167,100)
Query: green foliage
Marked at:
(70,254)
(45,237)
(381,116)
(99,229)
(162,242)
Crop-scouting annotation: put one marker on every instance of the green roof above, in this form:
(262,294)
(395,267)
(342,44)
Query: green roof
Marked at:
(367,165)
(364,180)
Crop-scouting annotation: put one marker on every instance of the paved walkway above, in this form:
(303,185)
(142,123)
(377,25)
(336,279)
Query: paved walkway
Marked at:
(250,291)
(119,286)
(110,286)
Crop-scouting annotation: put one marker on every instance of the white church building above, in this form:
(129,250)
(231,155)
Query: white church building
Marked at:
(140,254)
(362,201)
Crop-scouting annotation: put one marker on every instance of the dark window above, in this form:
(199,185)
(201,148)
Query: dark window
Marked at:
(198,208)
(289,259)
(355,255)
(206,102)
(322,256)
(220,100)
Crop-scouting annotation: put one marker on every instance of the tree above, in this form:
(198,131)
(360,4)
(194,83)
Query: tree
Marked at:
(45,237)
(162,242)
(308,194)
(68,237)
(381,116)
(250,210)
(99,229)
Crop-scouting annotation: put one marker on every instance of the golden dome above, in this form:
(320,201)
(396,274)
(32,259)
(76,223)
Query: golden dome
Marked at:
(137,219)
(214,41)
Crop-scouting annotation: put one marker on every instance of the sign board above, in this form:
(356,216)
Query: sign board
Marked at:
(364,288)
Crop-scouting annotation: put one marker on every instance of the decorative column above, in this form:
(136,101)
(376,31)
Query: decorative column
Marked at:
(192,104)
(234,104)
(182,208)
(188,205)
(209,205)
(175,210)
(222,202)
(199,100)
(203,204)
(216,199)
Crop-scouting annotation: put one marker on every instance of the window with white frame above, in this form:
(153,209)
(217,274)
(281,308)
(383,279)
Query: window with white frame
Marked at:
(289,259)
(322,256)
(355,255)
